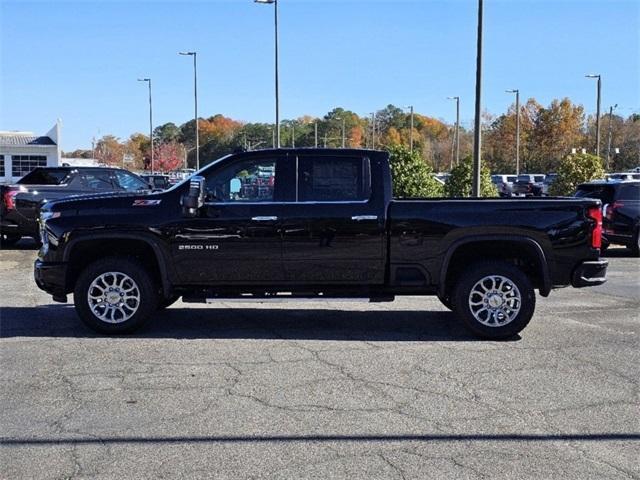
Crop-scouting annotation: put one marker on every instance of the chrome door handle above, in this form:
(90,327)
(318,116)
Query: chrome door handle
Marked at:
(264,219)
(359,218)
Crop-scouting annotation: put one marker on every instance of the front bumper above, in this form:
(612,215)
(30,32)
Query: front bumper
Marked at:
(51,277)
(590,273)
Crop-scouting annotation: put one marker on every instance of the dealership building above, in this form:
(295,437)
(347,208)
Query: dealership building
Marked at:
(21,152)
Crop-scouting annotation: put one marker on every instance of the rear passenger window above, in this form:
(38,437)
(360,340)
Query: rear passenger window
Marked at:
(97,180)
(333,179)
(629,192)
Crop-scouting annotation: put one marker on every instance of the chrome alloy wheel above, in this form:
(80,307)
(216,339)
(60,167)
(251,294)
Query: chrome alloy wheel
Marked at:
(113,297)
(495,301)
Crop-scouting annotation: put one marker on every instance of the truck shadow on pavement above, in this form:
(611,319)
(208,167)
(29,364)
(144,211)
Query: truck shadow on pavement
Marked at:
(250,323)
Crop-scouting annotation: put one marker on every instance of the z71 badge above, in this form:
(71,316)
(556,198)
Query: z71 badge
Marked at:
(146,203)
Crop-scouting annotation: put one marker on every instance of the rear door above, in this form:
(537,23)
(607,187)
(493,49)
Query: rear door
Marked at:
(334,232)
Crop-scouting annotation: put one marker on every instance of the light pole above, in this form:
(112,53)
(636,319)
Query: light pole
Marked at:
(457,134)
(517,92)
(195,98)
(275,9)
(343,133)
(315,130)
(477,147)
(599,87)
(410,107)
(609,139)
(148,80)
(373,131)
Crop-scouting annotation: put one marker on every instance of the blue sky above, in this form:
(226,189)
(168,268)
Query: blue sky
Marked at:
(79,61)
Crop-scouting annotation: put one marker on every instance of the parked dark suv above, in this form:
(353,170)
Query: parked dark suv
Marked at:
(620,210)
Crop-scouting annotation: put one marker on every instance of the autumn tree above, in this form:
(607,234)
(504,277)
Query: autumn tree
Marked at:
(109,151)
(557,129)
(168,156)
(138,147)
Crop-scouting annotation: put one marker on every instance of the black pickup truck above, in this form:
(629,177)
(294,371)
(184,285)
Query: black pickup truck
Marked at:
(313,223)
(20,203)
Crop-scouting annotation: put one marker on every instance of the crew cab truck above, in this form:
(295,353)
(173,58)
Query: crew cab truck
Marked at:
(313,223)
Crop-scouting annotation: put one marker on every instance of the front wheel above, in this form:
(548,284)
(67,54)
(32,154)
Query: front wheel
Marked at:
(494,300)
(115,295)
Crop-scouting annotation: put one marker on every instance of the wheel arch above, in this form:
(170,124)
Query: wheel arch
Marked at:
(83,250)
(495,247)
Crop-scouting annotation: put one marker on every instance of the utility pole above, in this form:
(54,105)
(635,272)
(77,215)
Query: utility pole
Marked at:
(343,133)
(517,92)
(411,130)
(457,131)
(477,147)
(293,136)
(599,91)
(195,95)
(315,130)
(275,10)
(373,131)
(609,139)
(148,80)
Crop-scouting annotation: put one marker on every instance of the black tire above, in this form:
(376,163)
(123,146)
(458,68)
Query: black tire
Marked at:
(446,301)
(463,292)
(8,239)
(635,246)
(167,302)
(146,293)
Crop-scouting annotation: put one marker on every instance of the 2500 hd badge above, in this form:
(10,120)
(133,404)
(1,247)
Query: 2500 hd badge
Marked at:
(198,247)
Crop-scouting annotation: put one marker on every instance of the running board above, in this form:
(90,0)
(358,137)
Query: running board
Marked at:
(281,298)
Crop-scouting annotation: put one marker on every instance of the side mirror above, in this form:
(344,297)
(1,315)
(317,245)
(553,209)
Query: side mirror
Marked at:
(194,199)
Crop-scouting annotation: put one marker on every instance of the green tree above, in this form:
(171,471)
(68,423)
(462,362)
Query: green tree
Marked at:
(169,132)
(459,183)
(412,177)
(574,170)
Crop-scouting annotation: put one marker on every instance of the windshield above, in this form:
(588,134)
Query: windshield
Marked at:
(49,176)
(604,193)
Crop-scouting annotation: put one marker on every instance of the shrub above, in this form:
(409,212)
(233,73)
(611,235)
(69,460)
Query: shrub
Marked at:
(574,170)
(459,182)
(412,177)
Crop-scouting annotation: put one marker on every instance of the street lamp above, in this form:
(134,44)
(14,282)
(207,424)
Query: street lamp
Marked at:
(410,107)
(599,87)
(457,134)
(373,130)
(275,9)
(611,108)
(477,134)
(195,97)
(517,92)
(148,80)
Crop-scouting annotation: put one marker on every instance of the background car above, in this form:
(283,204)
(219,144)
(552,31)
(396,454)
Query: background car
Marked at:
(547,182)
(528,184)
(157,182)
(504,183)
(621,210)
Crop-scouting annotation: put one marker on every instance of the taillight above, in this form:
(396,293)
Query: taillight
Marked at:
(9,199)
(595,214)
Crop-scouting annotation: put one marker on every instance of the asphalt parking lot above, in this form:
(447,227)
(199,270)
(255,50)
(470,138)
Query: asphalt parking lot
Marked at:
(321,390)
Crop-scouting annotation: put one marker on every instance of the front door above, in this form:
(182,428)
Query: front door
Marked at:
(236,238)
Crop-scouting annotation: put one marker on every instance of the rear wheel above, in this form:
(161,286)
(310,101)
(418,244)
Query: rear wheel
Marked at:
(115,295)
(9,239)
(494,300)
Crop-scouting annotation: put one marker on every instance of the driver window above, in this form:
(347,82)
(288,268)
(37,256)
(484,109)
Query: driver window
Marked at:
(250,180)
